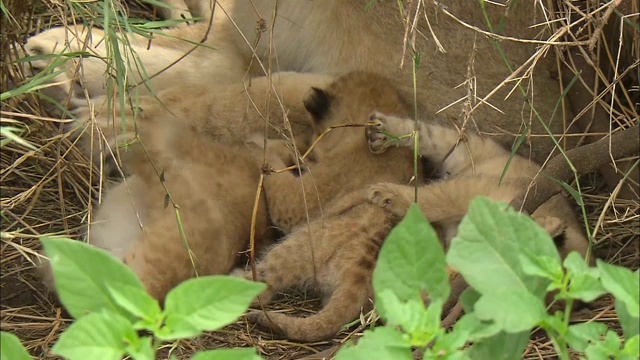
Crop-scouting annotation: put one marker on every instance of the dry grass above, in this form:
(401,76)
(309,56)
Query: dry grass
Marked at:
(48,191)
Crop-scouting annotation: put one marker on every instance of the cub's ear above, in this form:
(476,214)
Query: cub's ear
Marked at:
(317,103)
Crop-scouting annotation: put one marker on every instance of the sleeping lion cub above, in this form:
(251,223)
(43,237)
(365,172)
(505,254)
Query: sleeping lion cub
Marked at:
(196,144)
(471,168)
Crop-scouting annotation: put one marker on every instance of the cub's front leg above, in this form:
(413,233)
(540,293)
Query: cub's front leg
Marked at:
(383,131)
(394,198)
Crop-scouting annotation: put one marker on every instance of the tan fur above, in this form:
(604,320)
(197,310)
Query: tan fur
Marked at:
(469,169)
(147,62)
(334,256)
(198,145)
(214,184)
(344,163)
(185,9)
(337,36)
(222,112)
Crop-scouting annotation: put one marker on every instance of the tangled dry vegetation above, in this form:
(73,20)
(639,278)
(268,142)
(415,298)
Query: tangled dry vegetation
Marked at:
(48,187)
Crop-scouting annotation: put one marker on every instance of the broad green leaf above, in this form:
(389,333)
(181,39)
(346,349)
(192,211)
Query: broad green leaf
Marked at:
(631,348)
(143,349)
(410,315)
(227,354)
(11,348)
(623,284)
(501,346)
(468,299)
(471,328)
(524,309)
(630,325)
(422,324)
(137,302)
(609,346)
(584,284)
(81,273)
(205,304)
(580,335)
(490,240)
(585,287)
(447,346)
(542,266)
(487,252)
(380,343)
(411,260)
(99,335)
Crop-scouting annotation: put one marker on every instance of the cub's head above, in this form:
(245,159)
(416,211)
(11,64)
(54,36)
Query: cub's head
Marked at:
(352,97)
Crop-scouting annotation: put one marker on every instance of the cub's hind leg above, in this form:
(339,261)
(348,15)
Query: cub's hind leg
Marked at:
(342,306)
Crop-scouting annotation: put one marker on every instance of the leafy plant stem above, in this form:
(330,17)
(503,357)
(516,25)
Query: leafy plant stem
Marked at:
(558,342)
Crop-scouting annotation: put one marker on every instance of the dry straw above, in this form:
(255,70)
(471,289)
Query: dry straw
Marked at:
(47,186)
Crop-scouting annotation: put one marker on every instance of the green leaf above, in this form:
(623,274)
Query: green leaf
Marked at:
(468,299)
(411,250)
(447,346)
(12,348)
(542,266)
(631,348)
(623,284)
(501,346)
(471,328)
(102,335)
(205,304)
(143,349)
(487,252)
(609,346)
(81,273)
(422,324)
(512,310)
(630,325)
(379,343)
(138,303)
(580,335)
(227,354)
(584,284)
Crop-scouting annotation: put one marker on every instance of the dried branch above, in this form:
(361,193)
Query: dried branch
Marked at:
(585,159)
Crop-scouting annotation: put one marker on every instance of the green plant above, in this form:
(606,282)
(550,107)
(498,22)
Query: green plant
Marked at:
(510,264)
(11,348)
(110,306)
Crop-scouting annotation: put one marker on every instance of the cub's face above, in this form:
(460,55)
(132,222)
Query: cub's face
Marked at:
(352,97)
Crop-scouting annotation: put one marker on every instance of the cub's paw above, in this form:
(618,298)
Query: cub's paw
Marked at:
(389,198)
(375,132)
(268,320)
(554,227)
(241,273)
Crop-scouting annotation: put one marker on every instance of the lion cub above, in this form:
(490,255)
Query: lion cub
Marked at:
(469,169)
(334,256)
(197,143)
(343,162)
